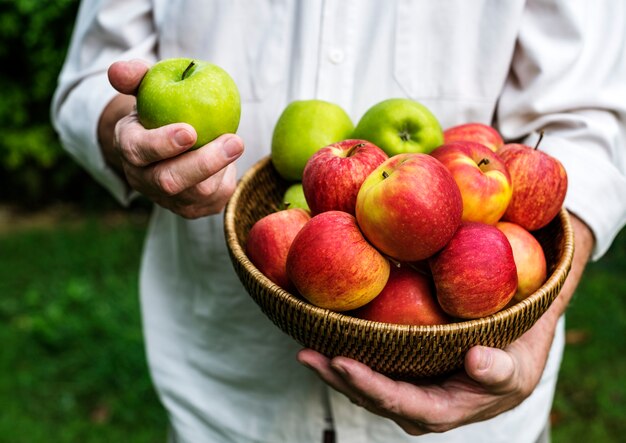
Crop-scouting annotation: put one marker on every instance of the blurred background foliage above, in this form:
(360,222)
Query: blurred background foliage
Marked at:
(34,170)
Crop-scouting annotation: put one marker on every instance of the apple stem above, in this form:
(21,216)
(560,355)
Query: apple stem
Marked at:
(385,174)
(187,69)
(484,161)
(354,148)
(416,268)
(539,141)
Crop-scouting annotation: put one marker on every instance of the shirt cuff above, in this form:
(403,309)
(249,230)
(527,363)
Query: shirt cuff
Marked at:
(77,125)
(595,190)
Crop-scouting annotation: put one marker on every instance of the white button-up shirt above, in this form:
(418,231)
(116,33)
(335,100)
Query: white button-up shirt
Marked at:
(222,370)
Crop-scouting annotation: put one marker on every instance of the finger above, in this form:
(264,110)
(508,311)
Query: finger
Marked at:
(494,369)
(125,76)
(321,365)
(140,147)
(207,198)
(406,404)
(195,167)
(380,392)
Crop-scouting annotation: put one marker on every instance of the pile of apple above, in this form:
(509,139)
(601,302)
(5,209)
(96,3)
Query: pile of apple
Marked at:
(396,220)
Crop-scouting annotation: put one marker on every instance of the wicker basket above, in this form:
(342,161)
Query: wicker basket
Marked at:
(395,350)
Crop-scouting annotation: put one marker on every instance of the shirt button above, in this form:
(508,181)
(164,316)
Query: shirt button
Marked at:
(336,56)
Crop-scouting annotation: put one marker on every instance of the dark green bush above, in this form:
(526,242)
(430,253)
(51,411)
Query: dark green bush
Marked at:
(34,169)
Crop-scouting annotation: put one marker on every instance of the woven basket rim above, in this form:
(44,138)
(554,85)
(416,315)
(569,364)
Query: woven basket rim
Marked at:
(557,277)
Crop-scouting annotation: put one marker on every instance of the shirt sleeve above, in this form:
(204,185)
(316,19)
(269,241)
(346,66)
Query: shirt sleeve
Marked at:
(105,31)
(568,79)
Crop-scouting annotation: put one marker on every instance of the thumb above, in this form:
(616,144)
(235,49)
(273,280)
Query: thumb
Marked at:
(125,76)
(493,368)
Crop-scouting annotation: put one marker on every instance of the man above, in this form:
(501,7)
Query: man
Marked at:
(224,372)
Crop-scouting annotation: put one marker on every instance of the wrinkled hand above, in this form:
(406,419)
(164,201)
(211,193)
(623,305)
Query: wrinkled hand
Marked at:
(493,381)
(158,163)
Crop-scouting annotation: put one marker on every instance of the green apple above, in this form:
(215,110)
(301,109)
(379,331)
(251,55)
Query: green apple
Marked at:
(303,128)
(190,91)
(400,125)
(294,197)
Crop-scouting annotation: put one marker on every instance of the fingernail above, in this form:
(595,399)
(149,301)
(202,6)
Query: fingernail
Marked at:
(485,359)
(183,138)
(232,147)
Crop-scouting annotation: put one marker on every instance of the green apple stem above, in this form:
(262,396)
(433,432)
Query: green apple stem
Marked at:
(484,161)
(539,141)
(187,70)
(405,136)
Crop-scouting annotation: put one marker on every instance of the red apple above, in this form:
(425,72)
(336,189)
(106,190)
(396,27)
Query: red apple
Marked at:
(409,207)
(407,299)
(269,241)
(482,178)
(475,273)
(539,186)
(333,175)
(474,132)
(333,266)
(530,260)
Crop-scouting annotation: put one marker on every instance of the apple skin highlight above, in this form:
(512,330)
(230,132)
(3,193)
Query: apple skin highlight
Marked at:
(183,90)
(397,212)
(333,266)
(475,274)
(333,175)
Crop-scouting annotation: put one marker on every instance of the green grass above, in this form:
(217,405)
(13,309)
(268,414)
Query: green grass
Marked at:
(72,362)
(73,365)
(590,405)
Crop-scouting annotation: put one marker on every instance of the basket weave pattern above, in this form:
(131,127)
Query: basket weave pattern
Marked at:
(395,350)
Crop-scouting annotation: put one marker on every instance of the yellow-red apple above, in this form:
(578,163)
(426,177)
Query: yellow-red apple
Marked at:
(529,257)
(269,241)
(409,207)
(474,132)
(539,186)
(333,266)
(408,298)
(482,177)
(475,272)
(333,175)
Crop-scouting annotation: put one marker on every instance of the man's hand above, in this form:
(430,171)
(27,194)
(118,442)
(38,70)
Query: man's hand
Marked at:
(158,162)
(493,382)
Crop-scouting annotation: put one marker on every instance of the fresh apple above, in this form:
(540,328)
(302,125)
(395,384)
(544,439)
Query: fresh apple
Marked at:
(482,178)
(333,266)
(409,207)
(189,91)
(333,175)
(303,128)
(269,241)
(530,259)
(539,186)
(294,197)
(400,125)
(474,132)
(475,272)
(407,299)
